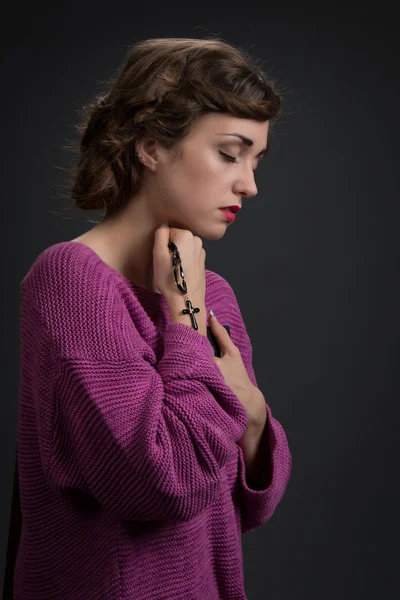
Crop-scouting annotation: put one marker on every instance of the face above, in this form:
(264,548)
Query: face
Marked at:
(210,169)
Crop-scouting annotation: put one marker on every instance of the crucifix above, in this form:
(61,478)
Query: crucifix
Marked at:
(190,311)
(177,264)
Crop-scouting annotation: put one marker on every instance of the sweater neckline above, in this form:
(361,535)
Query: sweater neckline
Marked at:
(145,292)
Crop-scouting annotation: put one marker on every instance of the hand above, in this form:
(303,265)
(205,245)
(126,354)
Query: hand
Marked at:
(192,256)
(236,376)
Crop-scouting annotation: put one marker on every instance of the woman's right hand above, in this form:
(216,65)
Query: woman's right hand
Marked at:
(193,257)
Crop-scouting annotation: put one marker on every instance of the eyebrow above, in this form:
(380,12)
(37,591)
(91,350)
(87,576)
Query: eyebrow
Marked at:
(247,141)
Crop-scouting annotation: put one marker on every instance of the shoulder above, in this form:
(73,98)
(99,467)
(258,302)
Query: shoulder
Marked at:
(74,295)
(64,260)
(67,270)
(219,291)
(221,298)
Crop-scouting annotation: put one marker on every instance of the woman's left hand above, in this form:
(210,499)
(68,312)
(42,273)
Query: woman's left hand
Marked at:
(236,376)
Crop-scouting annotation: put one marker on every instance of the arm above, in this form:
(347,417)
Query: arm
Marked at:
(256,455)
(265,460)
(148,440)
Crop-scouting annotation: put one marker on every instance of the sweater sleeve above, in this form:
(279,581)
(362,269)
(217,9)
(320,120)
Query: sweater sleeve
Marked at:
(257,506)
(148,441)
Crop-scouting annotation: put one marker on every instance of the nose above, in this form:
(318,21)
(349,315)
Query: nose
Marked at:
(246,186)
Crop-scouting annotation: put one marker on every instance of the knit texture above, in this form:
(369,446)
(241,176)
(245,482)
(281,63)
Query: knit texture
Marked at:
(132,482)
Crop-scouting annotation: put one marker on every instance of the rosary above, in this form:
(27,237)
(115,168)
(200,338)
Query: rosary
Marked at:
(177,263)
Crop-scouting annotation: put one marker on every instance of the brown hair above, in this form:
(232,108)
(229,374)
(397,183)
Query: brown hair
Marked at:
(161,87)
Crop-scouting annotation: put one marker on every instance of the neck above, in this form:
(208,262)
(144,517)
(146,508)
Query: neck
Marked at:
(125,241)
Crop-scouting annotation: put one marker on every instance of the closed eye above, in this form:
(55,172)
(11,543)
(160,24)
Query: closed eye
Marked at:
(229,158)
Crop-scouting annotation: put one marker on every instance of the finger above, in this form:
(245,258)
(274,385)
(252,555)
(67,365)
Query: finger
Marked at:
(161,237)
(224,341)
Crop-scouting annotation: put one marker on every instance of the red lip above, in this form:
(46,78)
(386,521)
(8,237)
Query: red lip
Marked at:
(233,208)
(228,214)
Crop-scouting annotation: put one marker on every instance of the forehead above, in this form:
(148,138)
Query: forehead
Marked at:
(215,124)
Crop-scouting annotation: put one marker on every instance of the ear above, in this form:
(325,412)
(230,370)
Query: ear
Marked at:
(146,150)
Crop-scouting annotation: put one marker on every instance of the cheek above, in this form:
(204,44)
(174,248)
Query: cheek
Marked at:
(197,175)
(207,172)
(198,181)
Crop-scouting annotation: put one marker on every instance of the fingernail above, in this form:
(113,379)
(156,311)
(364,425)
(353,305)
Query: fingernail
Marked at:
(212,313)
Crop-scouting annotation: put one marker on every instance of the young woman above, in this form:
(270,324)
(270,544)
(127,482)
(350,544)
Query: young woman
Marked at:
(145,447)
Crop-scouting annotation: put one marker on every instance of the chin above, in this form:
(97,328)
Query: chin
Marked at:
(211,232)
(214,235)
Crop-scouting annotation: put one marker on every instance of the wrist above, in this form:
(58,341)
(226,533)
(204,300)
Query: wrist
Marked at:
(175,310)
(258,414)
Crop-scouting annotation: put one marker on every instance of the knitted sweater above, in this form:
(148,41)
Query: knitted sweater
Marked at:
(132,482)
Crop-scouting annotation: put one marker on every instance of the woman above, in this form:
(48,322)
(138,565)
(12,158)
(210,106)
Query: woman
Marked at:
(145,446)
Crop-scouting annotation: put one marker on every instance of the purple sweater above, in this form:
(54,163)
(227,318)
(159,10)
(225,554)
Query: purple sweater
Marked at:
(132,482)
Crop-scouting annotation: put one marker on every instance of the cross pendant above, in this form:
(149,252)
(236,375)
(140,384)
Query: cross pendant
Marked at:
(190,311)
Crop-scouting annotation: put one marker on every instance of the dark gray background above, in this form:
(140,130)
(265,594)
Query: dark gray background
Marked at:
(313,258)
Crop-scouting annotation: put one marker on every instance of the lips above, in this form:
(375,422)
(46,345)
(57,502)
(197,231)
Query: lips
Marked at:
(228,214)
(234,209)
